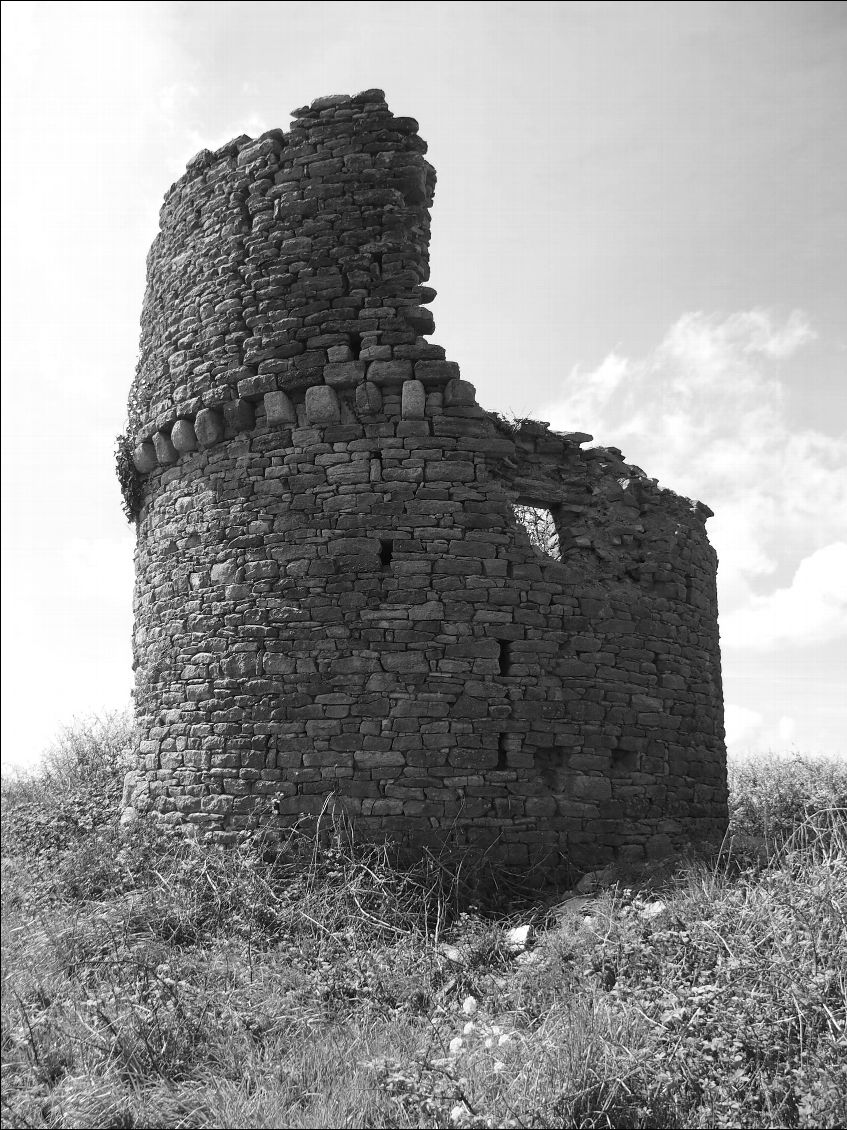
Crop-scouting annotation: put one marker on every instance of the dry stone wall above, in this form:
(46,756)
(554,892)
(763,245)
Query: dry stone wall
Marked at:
(334,594)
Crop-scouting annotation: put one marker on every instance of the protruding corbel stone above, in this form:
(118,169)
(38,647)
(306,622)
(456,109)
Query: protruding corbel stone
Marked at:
(166,453)
(144,457)
(279,409)
(239,416)
(413,400)
(322,405)
(368,399)
(209,427)
(183,436)
(459,393)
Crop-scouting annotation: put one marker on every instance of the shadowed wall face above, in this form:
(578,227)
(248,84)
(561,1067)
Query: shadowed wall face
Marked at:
(337,592)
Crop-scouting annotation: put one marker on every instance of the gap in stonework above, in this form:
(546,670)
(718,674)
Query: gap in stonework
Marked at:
(540,525)
(502,752)
(625,759)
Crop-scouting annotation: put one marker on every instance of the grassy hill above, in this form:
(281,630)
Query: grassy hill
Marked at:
(150,982)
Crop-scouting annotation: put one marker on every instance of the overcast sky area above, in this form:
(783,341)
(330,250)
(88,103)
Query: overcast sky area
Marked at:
(639,231)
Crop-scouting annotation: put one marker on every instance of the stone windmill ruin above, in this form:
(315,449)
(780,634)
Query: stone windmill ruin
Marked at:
(340,587)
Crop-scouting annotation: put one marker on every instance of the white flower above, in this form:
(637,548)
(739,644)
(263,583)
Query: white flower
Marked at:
(456,1045)
(469,1006)
(469,1027)
(457,1113)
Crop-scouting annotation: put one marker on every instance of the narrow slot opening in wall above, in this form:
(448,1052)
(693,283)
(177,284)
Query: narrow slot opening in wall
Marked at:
(502,753)
(505,656)
(386,552)
(540,527)
(356,345)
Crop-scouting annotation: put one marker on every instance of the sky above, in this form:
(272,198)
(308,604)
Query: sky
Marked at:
(639,231)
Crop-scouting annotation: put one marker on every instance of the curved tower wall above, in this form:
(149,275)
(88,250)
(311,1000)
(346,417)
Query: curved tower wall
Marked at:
(333,593)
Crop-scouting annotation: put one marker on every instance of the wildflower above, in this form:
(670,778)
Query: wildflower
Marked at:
(469,1006)
(456,1045)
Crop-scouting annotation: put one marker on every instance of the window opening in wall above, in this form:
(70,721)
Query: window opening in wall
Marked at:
(540,526)
(386,551)
(376,466)
(505,656)
(502,753)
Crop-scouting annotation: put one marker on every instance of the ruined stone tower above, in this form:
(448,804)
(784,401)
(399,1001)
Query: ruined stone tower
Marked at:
(337,591)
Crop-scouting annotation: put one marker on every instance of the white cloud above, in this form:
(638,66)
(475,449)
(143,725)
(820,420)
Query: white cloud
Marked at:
(69,654)
(741,724)
(176,102)
(749,732)
(812,610)
(712,344)
(253,124)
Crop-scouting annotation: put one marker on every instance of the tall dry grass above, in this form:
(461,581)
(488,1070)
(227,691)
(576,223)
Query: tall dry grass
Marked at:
(148,981)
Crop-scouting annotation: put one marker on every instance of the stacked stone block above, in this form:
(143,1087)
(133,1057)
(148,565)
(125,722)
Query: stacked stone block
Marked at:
(334,596)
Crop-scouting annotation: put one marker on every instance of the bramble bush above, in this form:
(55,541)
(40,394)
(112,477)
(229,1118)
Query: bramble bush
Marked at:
(770,796)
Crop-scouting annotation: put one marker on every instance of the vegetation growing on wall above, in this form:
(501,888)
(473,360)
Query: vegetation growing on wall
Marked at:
(128,478)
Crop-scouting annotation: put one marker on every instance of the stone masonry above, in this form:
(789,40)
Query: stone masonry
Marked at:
(335,592)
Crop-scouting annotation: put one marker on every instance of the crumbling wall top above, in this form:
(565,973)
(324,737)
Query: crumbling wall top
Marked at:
(274,250)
